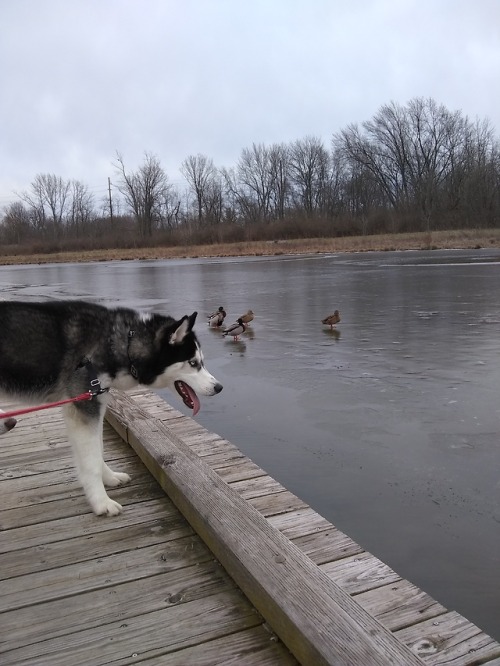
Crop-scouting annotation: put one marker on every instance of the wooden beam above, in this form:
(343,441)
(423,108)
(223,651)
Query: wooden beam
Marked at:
(318,621)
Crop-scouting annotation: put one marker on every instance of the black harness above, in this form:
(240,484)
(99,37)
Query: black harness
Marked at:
(94,383)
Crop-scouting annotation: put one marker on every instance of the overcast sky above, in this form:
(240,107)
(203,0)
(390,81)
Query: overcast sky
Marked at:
(83,79)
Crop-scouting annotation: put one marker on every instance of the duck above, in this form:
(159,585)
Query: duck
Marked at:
(332,319)
(247,317)
(235,329)
(217,317)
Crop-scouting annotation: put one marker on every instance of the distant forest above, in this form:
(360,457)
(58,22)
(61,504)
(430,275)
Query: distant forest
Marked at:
(417,167)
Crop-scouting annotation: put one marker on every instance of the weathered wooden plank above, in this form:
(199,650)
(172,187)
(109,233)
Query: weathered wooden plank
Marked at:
(187,427)
(34,468)
(246,469)
(256,487)
(25,438)
(42,448)
(360,573)
(274,503)
(209,443)
(316,619)
(221,459)
(252,647)
(59,452)
(75,526)
(123,454)
(79,549)
(299,523)
(97,608)
(327,545)
(450,640)
(54,497)
(182,550)
(75,505)
(143,636)
(10,451)
(400,604)
(55,485)
(35,419)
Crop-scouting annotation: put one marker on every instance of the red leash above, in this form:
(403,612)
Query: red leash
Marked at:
(88,395)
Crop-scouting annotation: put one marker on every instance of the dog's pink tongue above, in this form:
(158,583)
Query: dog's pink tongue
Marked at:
(188,396)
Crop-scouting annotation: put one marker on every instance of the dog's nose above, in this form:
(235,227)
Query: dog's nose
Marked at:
(10,423)
(218,388)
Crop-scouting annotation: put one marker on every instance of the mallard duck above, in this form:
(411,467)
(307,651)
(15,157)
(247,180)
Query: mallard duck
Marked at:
(235,329)
(247,318)
(217,318)
(332,319)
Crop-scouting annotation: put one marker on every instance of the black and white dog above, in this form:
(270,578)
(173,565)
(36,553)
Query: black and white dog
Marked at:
(60,349)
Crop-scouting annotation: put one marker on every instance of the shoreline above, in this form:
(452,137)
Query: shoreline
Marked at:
(436,240)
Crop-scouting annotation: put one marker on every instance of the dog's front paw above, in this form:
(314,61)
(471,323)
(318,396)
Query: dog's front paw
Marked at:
(115,479)
(107,507)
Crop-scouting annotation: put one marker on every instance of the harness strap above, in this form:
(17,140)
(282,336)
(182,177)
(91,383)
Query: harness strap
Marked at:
(95,385)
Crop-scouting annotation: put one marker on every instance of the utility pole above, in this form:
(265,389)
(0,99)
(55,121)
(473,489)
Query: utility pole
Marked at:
(110,200)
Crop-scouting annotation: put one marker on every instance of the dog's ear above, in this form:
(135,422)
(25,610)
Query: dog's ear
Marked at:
(182,328)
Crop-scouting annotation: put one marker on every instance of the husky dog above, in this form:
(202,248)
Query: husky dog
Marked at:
(60,349)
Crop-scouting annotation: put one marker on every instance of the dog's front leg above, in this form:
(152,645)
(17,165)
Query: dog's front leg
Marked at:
(84,424)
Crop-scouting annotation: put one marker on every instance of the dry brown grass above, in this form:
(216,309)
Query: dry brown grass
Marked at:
(462,239)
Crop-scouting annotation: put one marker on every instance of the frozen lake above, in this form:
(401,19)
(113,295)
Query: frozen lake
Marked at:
(389,427)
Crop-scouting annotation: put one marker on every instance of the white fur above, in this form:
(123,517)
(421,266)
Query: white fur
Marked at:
(85,437)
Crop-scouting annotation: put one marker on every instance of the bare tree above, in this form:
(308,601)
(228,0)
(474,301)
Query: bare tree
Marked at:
(410,151)
(310,173)
(170,204)
(16,223)
(370,155)
(256,182)
(438,139)
(279,164)
(473,185)
(205,183)
(47,201)
(81,208)
(143,191)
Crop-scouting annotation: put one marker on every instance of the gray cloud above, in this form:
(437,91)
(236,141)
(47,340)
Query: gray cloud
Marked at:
(82,79)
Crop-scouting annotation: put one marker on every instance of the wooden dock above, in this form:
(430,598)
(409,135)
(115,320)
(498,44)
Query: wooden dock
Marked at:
(229,568)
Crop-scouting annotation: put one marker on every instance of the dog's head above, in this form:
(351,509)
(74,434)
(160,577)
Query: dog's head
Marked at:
(178,361)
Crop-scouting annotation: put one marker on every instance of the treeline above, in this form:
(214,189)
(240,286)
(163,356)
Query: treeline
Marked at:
(410,168)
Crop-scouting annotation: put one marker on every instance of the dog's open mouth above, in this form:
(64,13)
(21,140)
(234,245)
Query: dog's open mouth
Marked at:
(188,396)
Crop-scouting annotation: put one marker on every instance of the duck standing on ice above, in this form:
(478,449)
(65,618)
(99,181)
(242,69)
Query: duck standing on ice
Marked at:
(235,329)
(332,319)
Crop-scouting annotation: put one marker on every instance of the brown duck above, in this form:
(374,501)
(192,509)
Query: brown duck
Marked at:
(332,319)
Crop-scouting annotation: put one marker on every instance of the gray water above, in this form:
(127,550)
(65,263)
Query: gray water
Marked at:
(389,426)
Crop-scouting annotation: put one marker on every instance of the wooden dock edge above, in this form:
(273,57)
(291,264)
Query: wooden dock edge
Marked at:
(316,619)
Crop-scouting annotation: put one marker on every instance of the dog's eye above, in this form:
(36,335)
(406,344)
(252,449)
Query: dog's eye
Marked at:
(193,364)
